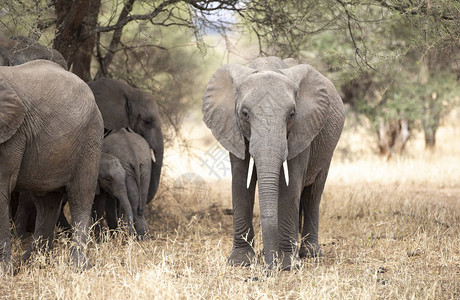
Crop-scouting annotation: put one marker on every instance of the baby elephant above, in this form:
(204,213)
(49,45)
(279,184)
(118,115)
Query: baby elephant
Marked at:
(111,187)
(124,175)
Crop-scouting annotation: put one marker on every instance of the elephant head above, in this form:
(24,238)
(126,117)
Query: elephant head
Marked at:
(122,106)
(19,50)
(271,111)
(112,179)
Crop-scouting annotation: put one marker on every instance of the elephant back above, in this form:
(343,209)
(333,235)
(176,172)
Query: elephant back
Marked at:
(19,50)
(53,87)
(111,98)
(129,147)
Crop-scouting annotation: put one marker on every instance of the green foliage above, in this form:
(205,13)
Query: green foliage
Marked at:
(390,59)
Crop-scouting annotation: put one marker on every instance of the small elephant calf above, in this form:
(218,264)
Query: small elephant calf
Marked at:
(124,175)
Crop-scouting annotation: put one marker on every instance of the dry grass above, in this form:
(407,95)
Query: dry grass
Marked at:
(387,230)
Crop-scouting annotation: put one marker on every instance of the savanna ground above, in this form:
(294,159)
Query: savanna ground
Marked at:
(388,229)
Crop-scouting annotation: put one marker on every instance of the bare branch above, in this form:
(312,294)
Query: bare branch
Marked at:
(422,11)
(122,22)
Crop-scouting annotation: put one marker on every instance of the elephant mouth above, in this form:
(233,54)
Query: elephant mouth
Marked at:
(251,169)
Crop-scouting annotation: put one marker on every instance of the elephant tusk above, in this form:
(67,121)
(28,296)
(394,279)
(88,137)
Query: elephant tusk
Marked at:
(250,169)
(286,172)
(152,155)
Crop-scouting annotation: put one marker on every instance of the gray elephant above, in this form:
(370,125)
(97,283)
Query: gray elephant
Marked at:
(129,187)
(286,119)
(21,49)
(111,187)
(124,106)
(50,141)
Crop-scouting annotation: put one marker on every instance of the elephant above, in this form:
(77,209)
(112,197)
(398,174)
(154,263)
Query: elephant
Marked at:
(124,175)
(21,49)
(280,122)
(124,106)
(50,141)
(111,187)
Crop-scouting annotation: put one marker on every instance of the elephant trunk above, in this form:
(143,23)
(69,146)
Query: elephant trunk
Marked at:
(156,144)
(121,194)
(268,160)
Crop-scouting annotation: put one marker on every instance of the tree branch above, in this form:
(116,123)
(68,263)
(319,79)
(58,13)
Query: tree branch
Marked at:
(122,22)
(405,9)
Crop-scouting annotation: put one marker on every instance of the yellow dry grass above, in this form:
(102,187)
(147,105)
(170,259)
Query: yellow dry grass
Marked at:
(388,229)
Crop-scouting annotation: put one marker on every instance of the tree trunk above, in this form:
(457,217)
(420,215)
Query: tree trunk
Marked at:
(431,120)
(74,19)
(82,60)
(430,138)
(393,136)
(114,43)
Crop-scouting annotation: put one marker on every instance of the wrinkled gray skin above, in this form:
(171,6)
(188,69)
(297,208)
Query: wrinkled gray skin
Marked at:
(123,106)
(21,49)
(111,187)
(50,141)
(16,51)
(275,110)
(133,154)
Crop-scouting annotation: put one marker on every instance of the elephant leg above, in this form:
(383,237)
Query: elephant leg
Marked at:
(141,227)
(62,222)
(311,198)
(14,203)
(81,192)
(10,162)
(288,210)
(5,239)
(97,214)
(243,206)
(111,213)
(25,214)
(48,208)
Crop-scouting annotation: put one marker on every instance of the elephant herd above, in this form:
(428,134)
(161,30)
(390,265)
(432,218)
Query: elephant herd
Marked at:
(100,146)
(53,147)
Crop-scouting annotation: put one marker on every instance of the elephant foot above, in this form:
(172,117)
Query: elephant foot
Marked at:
(6,267)
(309,249)
(26,256)
(289,261)
(80,261)
(143,237)
(241,257)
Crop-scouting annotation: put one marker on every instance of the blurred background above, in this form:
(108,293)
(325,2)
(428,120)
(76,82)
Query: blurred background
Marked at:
(395,64)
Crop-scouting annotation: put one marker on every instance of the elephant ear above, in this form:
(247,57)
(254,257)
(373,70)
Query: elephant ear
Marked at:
(219,102)
(312,101)
(12,111)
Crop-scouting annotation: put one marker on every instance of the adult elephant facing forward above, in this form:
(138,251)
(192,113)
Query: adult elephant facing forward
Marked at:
(287,118)
(124,106)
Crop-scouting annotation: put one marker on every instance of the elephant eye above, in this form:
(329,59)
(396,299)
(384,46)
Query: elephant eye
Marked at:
(245,113)
(291,116)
